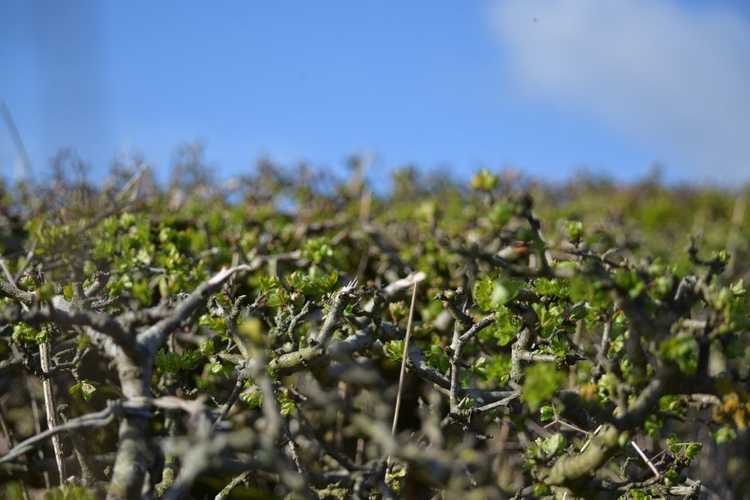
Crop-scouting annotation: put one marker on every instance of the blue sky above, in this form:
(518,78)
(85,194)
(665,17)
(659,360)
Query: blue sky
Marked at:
(546,86)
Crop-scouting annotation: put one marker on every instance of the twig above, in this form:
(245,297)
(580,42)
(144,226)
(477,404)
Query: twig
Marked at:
(496,404)
(404,355)
(457,344)
(49,408)
(227,490)
(152,338)
(398,285)
(231,400)
(84,461)
(645,459)
(6,271)
(340,301)
(97,419)
(49,402)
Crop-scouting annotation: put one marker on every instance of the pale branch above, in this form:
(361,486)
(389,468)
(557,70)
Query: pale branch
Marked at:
(403,284)
(518,351)
(340,301)
(536,357)
(100,281)
(646,459)
(64,314)
(459,339)
(419,366)
(153,337)
(569,468)
(8,275)
(236,480)
(572,467)
(404,356)
(496,404)
(203,452)
(308,357)
(10,289)
(143,317)
(49,408)
(476,328)
(96,419)
(393,289)
(647,400)
(452,304)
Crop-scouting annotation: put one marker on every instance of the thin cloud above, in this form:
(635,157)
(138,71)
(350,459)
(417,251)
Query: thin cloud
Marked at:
(673,77)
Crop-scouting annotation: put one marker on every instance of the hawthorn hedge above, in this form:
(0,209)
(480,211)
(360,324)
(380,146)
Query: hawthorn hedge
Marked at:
(252,340)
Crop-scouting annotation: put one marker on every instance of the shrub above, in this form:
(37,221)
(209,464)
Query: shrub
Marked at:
(193,341)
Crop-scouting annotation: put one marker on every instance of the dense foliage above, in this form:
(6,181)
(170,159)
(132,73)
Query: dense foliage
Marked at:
(246,340)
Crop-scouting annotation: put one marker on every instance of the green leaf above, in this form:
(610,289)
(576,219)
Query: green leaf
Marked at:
(682,350)
(541,382)
(490,294)
(216,367)
(314,283)
(216,323)
(172,362)
(724,434)
(501,214)
(574,230)
(551,317)
(318,250)
(553,444)
(394,349)
(547,413)
(738,288)
(286,404)
(504,329)
(497,368)
(437,358)
(653,425)
(83,389)
(484,180)
(24,333)
(554,287)
(252,396)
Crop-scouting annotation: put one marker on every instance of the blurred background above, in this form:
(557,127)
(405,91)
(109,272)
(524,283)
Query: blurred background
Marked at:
(552,88)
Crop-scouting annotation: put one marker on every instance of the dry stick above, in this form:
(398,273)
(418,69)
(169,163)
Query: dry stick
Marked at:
(232,485)
(49,402)
(49,408)
(7,273)
(403,364)
(645,459)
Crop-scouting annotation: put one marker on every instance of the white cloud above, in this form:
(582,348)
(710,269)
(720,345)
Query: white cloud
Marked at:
(673,77)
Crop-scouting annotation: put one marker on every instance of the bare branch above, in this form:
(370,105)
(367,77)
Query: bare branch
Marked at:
(96,419)
(340,300)
(151,339)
